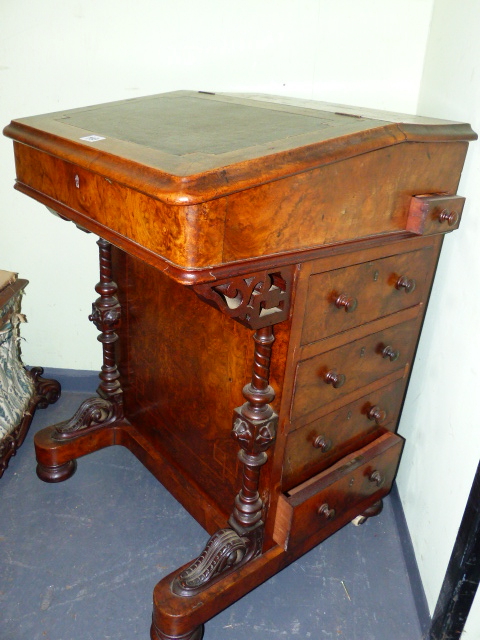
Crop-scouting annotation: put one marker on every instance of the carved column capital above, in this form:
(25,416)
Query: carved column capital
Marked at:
(254,438)
(254,428)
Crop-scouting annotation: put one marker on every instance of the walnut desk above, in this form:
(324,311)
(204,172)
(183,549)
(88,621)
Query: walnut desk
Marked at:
(265,266)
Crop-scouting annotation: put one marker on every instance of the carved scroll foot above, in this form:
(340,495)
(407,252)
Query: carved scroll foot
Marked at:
(196,634)
(371,512)
(224,552)
(91,428)
(57,473)
(46,391)
(93,414)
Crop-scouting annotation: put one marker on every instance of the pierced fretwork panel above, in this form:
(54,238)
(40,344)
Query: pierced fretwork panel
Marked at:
(256,300)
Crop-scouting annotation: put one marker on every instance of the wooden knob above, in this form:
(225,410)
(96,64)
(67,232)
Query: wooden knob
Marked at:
(377,414)
(450,217)
(347,302)
(322,443)
(326,512)
(335,379)
(391,353)
(407,284)
(377,478)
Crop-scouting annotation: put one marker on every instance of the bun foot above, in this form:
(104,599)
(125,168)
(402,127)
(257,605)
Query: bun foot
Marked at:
(196,634)
(374,510)
(58,473)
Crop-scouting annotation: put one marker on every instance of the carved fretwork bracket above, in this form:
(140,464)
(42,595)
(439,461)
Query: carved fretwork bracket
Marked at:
(259,299)
(254,428)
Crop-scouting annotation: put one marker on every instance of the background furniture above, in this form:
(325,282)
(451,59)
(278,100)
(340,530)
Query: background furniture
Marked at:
(21,391)
(324,222)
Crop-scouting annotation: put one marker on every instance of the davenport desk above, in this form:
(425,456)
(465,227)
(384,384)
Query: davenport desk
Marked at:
(265,266)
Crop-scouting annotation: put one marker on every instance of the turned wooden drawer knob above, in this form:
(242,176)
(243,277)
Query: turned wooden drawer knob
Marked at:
(391,353)
(326,512)
(450,217)
(407,284)
(377,414)
(347,302)
(322,443)
(377,478)
(335,379)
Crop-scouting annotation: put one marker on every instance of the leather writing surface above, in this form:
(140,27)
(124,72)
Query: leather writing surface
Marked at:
(181,124)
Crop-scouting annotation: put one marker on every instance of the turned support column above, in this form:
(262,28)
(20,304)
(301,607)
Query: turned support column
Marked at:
(216,577)
(254,428)
(100,412)
(106,315)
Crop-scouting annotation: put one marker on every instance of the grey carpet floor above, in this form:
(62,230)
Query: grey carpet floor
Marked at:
(79,561)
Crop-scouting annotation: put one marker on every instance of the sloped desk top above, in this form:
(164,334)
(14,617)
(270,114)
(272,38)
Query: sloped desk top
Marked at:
(198,181)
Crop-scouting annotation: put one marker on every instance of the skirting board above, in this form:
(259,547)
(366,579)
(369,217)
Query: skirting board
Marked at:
(80,380)
(411,563)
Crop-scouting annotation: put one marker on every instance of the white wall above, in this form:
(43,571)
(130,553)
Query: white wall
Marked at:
(441,420)
(57,55)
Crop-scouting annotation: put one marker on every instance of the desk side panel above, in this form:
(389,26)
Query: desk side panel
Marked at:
(340,202)
(183,366)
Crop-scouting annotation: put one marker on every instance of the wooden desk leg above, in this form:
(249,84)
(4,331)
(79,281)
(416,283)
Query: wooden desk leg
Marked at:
(254,428)
(91,427)
(375,510)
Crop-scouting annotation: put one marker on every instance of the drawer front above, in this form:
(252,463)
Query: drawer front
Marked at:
(334,374)
(434,213)
(321,443)
(328,501)
(344,298)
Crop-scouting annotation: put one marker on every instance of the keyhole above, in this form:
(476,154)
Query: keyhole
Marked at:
(77,181)
(375,275)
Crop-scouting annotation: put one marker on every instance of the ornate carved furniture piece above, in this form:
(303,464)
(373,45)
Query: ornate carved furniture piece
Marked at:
(265,266)
(21,391)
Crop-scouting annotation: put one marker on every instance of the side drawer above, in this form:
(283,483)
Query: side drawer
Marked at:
(344,298)
(315,446)
(334,374)
(322,505)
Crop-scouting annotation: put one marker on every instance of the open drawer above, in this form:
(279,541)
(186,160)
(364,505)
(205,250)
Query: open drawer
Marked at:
(320,506)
